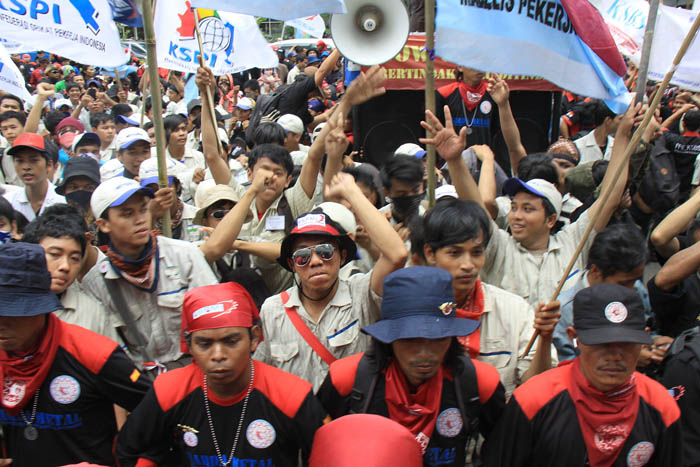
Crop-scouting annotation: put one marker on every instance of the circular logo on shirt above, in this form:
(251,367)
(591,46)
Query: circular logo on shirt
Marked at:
(12,392)
(261,434)
(449,423)
(190,439)
(485,107)
(640,454)
(607,438)
(64,389)
(616,312)
(104,265)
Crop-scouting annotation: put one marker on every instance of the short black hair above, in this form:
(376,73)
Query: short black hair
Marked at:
(455,221)
(170,124)
(100,117)
(251,84)
(52,119)
(366,179)
(12,97)
(6,209)
(406,169)
(276,153)
(691,120)
(538,165)
(121,109)
(601,112)
(72,85)
(10,114)
(417,237)
(58,220)
(172,87)
(148,125)
(149,104)
(618,248)
(269,133)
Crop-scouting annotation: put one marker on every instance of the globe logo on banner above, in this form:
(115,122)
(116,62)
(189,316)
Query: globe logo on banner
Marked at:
(215,35)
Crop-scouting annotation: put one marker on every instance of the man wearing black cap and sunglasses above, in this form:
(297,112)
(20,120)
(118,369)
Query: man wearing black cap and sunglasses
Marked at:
(318,320)
(596,409)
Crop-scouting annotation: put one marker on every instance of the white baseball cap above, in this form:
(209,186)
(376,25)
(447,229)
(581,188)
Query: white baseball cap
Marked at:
(85,137)
(148,170)
(61,102)
(291,123)
(410,149)
(130,135)
(317,131)
(115,192)
(340,214)
(445,191)
(537,187)
(110,169)
(245,103)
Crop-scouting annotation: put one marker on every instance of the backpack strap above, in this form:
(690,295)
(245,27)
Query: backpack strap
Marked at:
(284,209)
(305,332)
(467,392)
(366,378)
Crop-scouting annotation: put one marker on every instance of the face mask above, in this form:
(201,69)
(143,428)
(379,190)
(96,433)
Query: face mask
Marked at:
(66,140)
(5,237)
(405,206)
(80,198)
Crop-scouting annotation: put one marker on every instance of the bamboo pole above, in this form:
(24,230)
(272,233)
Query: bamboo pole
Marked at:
(208,96)
(156,105)
(646,51)
(628,153)
(430,90)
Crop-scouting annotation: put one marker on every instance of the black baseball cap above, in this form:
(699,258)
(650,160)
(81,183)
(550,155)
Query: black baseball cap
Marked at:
(83,165)
(607,313)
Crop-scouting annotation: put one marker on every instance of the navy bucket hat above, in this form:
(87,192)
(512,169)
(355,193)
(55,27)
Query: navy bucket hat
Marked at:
(419,302)
(25,281)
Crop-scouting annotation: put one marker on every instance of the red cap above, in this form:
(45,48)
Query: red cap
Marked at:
(367,440)
(27,140)
(321,46)
(70,121)
(217,306)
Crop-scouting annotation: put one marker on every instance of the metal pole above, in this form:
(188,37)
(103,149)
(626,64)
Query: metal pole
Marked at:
(646,51)
(430,90)
(156,106)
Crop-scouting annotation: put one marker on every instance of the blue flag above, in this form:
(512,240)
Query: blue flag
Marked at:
(278,9)
(126,12)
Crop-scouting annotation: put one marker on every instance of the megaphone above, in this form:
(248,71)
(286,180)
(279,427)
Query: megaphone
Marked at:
(372,31)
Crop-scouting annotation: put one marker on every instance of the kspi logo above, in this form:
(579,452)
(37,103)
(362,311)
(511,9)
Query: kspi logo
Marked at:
(36,8)
(217,36)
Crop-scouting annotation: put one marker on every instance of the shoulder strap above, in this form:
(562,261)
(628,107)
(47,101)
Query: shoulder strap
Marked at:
(123,310)
(365,384)
(467,388)
(306,333)
(285,210)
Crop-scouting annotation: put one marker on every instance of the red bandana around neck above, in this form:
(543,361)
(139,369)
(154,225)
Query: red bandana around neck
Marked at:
(22,375)
(473,308)
(605,418)
(472,95)
(418,411)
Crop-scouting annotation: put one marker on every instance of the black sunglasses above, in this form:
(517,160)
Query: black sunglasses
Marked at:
(219,213)
(302,256)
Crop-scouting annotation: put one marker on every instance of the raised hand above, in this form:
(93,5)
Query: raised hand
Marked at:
(447,143)
(499,90)
(366,86)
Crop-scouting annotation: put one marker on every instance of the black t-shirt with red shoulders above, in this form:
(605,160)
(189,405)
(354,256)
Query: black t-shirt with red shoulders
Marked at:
(685,149)
(483,119)
(171,426)
(447,444)
(75,412)
(540,427)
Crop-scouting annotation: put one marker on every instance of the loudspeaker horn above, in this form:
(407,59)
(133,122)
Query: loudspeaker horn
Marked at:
(372,31)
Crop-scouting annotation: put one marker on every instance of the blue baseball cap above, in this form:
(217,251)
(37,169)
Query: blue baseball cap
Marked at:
(419,302)
(114,192)
(127,120)
(25,281)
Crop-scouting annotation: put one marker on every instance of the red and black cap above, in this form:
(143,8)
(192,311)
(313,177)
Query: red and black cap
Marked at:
(316,222)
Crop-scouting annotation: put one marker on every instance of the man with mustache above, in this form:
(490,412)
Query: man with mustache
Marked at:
(417,373)
(596,410)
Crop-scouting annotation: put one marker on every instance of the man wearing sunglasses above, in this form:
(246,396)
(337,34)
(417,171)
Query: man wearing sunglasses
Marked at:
(318,320)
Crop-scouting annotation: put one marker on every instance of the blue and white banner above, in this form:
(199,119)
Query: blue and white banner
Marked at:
(313,25)
(126,12)
(284,10)
(82,30)
(11,79)
(231,42)
(535,38)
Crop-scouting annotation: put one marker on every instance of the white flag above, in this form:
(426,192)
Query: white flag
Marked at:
(11,79)
(231,42)
(277,9)
(82,30)
(313,25)
(626,20)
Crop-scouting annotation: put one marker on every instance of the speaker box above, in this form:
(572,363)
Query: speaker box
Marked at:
(384,123)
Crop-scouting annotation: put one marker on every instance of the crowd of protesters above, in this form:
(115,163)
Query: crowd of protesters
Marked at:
(310,308)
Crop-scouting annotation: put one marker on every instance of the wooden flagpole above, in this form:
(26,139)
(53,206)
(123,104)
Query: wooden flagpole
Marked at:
(156,105)
(636,138)
(646,51)
(430,90)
